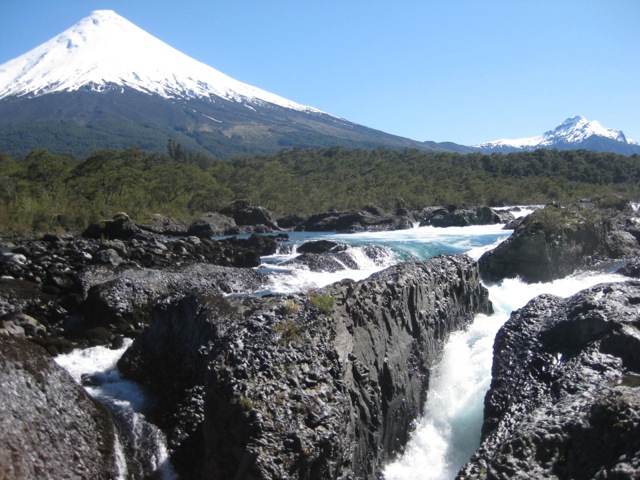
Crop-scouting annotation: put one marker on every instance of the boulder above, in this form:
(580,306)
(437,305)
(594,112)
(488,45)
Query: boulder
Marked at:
(338,257)
(631,269)
(213,225)
(163,225)
(454,216)
(20,325)
(51,428)
(245,214)
(200,229)
(325,385)
(324,262)
(120,227)
(290,221)
(564,400)
(369,219)
(553,242)
(317,246)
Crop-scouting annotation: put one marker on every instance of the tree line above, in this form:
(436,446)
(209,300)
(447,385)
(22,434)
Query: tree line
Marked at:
(48,192)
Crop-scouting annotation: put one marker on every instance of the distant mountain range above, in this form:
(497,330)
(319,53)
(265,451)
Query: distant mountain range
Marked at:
(105,83)
(573,133)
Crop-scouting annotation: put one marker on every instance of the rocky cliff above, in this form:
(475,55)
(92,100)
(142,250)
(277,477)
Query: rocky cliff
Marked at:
(323,385)
(51,427)
(564,400)
(554,242)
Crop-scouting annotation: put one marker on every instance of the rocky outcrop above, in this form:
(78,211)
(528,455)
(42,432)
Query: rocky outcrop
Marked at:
(119,227)
(454,216)
(159,224)
(88,292)
(208,225)
(121,301)
(51,428)
(318,386)
(630,269)
(245,214)
(319,246)
(213,224)
(369,219)
(564,400)
(337,258)
(553,242)
(290,221)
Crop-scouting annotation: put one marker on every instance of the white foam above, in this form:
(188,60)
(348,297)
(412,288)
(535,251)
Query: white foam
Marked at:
(125,399)
(449,431)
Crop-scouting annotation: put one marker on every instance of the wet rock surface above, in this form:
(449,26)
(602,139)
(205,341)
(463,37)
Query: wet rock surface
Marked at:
(564,400)
(369,219)
(455,216)
(631,269)
(323,385)
(554,242)
(333,257)
(51,428)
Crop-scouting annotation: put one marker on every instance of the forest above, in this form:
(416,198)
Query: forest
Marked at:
(45,192)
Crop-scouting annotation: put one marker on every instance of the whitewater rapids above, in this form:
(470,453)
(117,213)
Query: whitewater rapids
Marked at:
(449,431)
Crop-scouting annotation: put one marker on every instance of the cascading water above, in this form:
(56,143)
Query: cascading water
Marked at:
(141,450)
(449,431)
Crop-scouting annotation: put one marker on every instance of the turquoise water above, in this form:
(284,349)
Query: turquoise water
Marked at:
(389,248)
(449,432)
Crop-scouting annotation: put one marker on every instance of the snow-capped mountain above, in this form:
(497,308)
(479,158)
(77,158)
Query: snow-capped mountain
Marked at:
(105,49)
(106,83)
(574,133)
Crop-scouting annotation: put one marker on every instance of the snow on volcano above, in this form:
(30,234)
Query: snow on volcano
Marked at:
(105,50)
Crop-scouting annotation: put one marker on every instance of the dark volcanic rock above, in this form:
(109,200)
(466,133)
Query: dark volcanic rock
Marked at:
(317,387)
(246,214)
(213,224)
(631,269)
(209,225)
(120,227)
(324,262)
(337,258)
(51,428)
(453,216)
(317,246)
(50,280)
(122,300)
(163,225)
(175,351)
(369,219)
(564,400)
(553,242)
(290,221)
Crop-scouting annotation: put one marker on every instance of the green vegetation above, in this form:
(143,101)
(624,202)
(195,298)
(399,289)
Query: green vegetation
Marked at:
(290,307)
(323,302)
(246,404)
(290,331)
(48,192)
(555,220)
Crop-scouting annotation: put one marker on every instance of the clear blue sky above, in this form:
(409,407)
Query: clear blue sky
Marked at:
(465,71)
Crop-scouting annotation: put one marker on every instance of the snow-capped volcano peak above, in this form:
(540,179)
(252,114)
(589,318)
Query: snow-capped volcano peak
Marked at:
(578,128)
(105,50)
(572,131)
